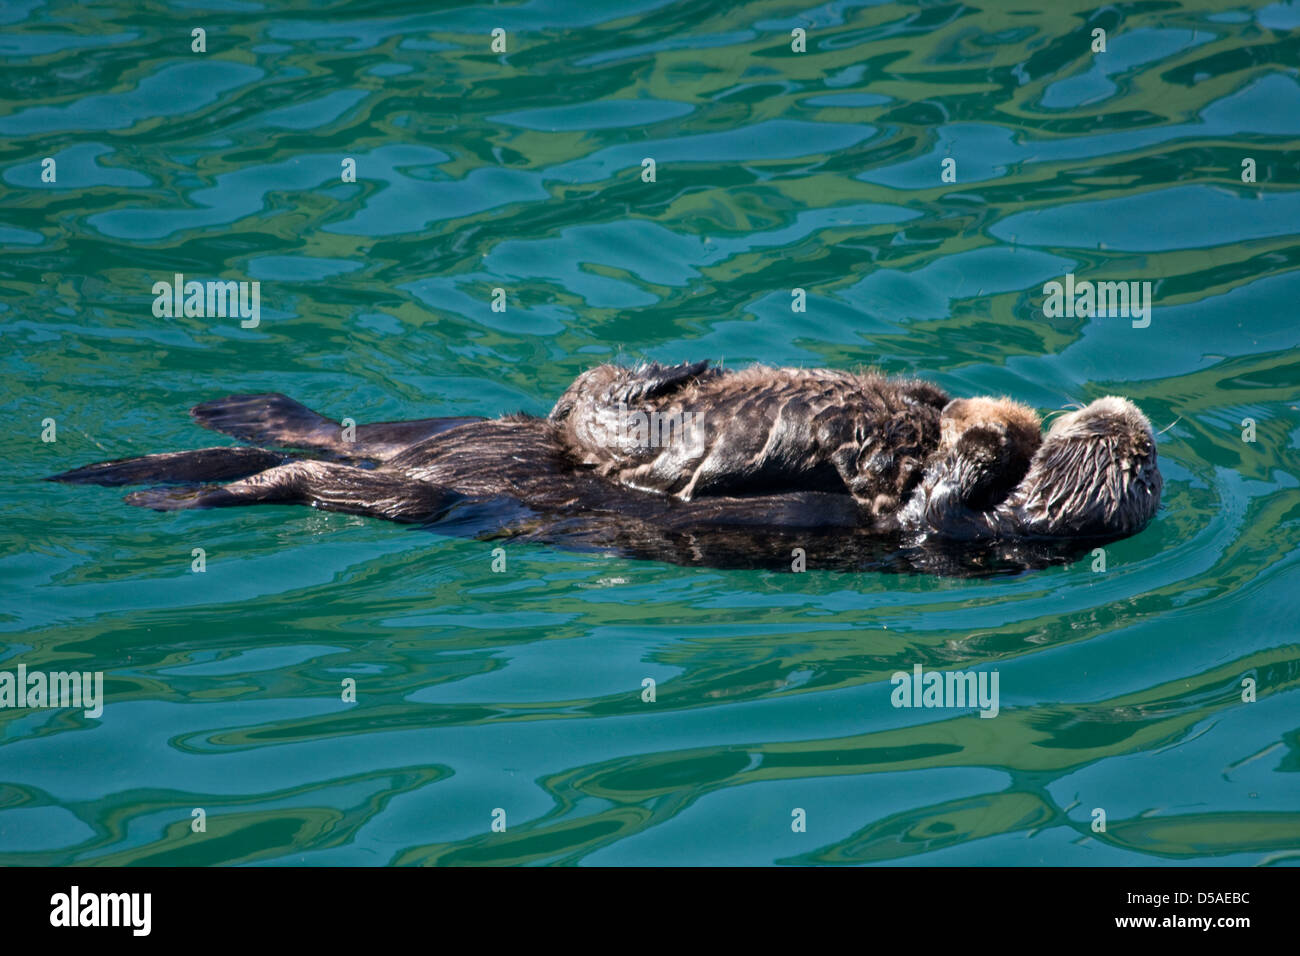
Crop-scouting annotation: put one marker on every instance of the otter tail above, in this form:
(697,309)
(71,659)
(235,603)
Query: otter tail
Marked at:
(175,467)
(274,420)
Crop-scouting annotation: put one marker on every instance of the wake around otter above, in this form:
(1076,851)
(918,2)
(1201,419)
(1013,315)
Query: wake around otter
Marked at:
(861,470)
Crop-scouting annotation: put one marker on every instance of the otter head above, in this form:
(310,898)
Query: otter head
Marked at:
(994,439)
(1018,422)
(1095,473)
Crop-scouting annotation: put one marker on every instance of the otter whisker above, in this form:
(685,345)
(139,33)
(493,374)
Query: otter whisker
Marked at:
(1169,426)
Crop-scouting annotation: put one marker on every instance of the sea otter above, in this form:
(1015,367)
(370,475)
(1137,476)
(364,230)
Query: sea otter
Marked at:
(962,471)
(690,430)
(1094,475)
(994,438)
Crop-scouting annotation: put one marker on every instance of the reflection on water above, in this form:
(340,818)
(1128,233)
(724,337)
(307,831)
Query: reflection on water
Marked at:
(523,690)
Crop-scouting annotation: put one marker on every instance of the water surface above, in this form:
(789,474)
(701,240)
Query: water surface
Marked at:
(522,690)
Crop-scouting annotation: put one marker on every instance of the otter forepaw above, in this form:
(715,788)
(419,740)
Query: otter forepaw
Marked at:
(985,444)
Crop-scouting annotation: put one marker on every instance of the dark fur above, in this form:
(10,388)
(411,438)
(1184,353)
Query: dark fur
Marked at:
(758,430)
(994,439)
(1094,475)
(278,421)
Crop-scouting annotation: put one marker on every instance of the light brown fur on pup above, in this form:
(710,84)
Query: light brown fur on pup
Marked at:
(997,437)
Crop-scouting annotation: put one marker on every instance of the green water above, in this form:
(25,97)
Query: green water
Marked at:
(522,690)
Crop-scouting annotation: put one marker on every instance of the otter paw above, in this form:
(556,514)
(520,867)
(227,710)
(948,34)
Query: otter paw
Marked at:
(884,505)
(986,444)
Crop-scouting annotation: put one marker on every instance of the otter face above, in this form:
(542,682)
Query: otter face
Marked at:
(1096,473)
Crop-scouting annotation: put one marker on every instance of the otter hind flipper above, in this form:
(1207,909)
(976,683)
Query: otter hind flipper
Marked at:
(268,418)
(180,467)
(653,380)
(272,419)
(329,486)
(601,390)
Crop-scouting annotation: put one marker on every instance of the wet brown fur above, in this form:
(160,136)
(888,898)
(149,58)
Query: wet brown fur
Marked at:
(708,432)
(998,437)
(968,470)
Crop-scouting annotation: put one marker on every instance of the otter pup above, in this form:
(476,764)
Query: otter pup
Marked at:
(995,438)
(1094,475)
(690,430)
